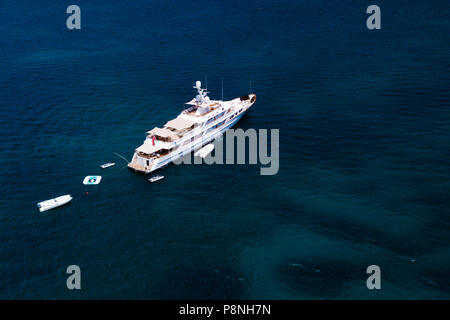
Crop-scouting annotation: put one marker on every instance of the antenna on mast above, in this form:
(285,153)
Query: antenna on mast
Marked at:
(222,88)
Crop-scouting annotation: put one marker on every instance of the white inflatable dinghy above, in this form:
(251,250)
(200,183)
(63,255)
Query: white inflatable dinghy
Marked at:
(53,203)
(155,178)
(107,165)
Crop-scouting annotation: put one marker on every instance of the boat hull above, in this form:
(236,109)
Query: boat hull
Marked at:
(164,161)
(54,203)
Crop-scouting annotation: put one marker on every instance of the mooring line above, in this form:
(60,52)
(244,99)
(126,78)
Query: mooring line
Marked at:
(122,157)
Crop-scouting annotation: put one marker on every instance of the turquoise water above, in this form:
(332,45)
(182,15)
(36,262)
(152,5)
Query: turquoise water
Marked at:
(364,175)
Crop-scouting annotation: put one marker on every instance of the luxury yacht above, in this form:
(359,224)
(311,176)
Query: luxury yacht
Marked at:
(200,123)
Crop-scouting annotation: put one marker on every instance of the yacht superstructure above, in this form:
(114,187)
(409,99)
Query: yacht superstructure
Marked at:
(202,122)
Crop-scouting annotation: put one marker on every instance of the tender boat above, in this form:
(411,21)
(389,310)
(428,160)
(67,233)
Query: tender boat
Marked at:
(107,165)
(203,152)
(155,178)
(202,122)
(53,203)
(90,180)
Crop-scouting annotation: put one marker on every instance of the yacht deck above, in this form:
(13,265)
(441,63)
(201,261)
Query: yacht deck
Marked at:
(137,167)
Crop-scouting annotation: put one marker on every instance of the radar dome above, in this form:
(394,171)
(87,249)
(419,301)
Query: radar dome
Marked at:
(198,84)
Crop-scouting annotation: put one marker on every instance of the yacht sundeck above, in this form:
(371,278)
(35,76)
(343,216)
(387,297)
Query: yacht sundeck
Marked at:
(202,122)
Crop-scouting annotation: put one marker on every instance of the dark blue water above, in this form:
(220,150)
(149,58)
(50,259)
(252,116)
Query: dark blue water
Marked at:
(364,119)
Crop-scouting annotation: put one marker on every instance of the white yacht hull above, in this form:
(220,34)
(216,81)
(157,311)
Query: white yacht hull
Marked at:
(164,161)
(195,146)
(211,119)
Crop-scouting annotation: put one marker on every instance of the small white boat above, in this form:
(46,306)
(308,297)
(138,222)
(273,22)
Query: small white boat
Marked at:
(107,165)
(90,180)
(53,203)
(155,178)
(203,152)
